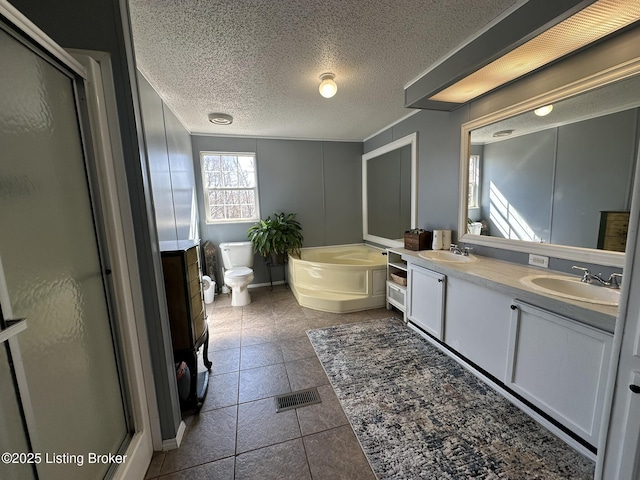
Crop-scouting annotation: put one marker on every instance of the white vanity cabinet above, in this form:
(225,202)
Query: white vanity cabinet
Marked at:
(561,366)
(478,324)
(425,299)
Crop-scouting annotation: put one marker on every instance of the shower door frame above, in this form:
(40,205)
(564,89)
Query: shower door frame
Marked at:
(114,228)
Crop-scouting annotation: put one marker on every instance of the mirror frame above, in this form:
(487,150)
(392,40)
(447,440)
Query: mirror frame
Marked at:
(412,140)
(600,257)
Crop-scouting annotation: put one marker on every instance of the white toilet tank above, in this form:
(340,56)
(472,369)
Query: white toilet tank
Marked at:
(237,254)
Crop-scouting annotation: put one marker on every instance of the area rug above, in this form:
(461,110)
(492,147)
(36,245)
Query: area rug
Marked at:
(419,414)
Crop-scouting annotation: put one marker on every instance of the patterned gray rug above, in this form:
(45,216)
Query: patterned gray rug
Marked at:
(418,414)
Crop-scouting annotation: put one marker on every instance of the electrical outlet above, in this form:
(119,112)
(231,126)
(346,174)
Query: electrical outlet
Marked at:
(538,261)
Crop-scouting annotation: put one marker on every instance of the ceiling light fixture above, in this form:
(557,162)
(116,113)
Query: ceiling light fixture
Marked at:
(220,119)
(503,133)
(586,26)
(328,87)
(543,111)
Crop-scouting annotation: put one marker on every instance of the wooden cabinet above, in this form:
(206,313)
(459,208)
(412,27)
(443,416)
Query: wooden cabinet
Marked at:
(477,325)
(561,366)
(613,231)
(187,316)
(425,292)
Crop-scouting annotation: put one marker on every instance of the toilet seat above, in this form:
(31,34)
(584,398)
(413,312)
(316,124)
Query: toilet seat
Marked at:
(238,272)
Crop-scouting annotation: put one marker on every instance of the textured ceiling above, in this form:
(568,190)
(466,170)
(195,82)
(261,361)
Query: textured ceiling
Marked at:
(260,60)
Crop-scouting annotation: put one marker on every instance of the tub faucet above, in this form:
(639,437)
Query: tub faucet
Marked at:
(588,277)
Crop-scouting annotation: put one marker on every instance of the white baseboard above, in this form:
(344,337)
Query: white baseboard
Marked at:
(173,443)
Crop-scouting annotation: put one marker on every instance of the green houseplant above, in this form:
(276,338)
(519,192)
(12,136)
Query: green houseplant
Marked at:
(275,238)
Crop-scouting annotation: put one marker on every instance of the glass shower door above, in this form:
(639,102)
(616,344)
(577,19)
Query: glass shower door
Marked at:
(54,273)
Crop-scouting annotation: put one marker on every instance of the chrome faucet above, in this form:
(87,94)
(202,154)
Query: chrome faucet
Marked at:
(455,249)
(460,251)
(588,277)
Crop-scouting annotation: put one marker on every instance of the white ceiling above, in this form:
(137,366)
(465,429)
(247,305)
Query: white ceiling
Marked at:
(260,60)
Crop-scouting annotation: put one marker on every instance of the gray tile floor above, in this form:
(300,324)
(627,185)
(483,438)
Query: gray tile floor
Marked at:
(260,351)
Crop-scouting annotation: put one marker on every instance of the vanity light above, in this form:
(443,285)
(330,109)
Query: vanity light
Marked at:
(543,111)
(503,133)
(328,87)
(588,25)
(220,119)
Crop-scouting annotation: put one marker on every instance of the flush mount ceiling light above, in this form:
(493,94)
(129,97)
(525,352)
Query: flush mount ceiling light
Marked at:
(503,133)
(220,119)
(532,36)
(328,87)
(543,111)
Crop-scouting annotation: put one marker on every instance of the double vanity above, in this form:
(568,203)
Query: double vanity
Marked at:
(541,338)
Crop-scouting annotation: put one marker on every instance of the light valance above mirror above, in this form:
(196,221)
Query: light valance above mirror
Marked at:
(390,191)
(547,184)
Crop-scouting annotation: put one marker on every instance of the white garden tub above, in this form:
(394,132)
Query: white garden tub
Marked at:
(339,279)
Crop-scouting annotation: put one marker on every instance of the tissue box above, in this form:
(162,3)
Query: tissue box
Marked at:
(417,241)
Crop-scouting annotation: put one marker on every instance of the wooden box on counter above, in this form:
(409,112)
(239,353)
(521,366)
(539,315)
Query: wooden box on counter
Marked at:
(417,241)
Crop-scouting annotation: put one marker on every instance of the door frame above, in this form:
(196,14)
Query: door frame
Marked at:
(112,196)
(613,439)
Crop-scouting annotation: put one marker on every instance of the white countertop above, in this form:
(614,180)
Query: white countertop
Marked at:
(505,277)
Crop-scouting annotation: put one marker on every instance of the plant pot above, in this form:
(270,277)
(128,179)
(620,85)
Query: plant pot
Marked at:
(277,259)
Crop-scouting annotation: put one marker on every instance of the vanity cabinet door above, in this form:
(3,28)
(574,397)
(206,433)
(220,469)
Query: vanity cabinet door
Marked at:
(425,291)
(477,325)
(561,366)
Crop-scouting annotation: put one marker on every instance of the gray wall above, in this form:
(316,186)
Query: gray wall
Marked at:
(594,172)
(319,181)
(170,166)
(559,180)
(98,25)
(520,170)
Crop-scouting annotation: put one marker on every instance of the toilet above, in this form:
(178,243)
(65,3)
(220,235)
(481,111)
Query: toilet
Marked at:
(237,258)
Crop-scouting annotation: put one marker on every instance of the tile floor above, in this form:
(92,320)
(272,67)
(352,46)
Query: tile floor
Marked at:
(260,351)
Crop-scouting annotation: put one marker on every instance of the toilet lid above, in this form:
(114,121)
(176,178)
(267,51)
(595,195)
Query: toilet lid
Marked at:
(238,272)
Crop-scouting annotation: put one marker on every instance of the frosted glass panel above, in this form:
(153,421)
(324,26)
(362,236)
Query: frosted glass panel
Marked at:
(49,250)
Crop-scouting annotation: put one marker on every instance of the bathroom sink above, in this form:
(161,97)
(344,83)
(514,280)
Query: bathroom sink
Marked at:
(446,256)
(573,288)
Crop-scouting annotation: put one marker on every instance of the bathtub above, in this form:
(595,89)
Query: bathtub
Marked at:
(339,279)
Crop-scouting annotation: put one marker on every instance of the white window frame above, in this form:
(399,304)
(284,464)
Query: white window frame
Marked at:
(206,190)
(474,182)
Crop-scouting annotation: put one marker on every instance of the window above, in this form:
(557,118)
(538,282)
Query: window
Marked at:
(230,187)
(474,181)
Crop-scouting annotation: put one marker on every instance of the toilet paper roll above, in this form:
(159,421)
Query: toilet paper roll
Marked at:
(436,244)
(446,239)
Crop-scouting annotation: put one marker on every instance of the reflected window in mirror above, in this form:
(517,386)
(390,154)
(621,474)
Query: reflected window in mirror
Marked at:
(474,181)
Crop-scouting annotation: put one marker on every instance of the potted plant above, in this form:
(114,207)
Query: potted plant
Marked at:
(275,238)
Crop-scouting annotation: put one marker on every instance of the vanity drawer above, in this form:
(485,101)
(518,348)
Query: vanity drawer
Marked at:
(396,295)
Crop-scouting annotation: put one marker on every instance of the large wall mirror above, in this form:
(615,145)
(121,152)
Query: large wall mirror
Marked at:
(560,184)
(390,191)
